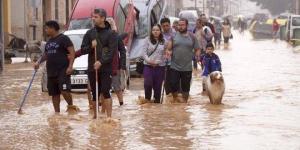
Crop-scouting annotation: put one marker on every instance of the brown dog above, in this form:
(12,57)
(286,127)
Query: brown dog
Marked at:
(215,87)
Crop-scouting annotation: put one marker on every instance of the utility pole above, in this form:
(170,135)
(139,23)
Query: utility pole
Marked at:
(195,4)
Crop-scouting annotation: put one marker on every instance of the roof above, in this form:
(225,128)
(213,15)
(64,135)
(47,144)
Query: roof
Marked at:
(84,8)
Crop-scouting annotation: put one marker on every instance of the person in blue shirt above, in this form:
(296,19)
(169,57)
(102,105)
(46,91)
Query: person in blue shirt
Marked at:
(211,63)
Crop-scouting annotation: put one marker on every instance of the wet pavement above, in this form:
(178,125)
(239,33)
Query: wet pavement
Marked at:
(261,109)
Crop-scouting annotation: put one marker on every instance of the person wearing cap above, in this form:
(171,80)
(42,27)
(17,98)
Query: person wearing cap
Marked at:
(211,63)
(104,40)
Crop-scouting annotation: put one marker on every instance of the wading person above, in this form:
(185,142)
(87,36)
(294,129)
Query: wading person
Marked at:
(226,29)
(203,35)
(168,35)
(59,53)
(211,63)
(181,49)
(275,29)
(119,64)
(217,36)
(154,64)
(104,40)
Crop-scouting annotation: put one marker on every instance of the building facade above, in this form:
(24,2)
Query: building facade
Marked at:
(200,5)
(27,22)
(1,37)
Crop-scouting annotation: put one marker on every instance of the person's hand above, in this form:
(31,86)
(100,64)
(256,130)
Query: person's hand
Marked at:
(152,63)
(94,43)
(69,71)
(168,54)
(97,65)
(36,65)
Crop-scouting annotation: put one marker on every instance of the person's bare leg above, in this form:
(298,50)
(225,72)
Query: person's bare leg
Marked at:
(175,97)
(68,97)
(108,107)
(89,95)
(103,107)
(56,102)
(120,97)
(94,109)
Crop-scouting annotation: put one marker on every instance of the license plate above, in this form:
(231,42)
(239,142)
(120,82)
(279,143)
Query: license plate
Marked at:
(79,81)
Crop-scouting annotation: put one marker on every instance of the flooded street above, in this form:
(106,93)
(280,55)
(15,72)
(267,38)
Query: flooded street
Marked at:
(261,109)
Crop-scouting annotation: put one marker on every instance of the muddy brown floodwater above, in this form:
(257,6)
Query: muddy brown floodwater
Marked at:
(261,110)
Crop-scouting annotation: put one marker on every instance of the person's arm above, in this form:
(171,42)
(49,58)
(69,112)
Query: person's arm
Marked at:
(169,49)
(219,63)
(206,66)
(71,57)
(197,48)
(122,51)
(68,45)
(43,58)
(86,46)
(145,52)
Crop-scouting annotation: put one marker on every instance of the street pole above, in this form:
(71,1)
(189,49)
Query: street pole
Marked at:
(25,31)
(195,4)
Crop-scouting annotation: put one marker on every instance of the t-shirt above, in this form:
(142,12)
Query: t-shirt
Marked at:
(56,51)
(183,52)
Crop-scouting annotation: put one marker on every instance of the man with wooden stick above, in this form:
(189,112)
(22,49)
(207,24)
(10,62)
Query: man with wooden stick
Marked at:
(102,42)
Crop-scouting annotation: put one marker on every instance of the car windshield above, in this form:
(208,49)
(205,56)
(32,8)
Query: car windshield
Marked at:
(296,21)
(85,23)
(76,40)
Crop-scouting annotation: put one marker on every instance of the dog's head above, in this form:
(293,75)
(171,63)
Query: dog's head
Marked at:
(216,77)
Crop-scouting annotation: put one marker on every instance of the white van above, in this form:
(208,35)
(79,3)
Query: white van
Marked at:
(293,29)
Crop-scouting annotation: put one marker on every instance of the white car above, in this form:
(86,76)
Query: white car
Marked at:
(79,78)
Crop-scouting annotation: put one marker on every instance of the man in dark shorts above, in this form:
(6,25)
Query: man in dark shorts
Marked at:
(182,49)
(59,53)
(105,41)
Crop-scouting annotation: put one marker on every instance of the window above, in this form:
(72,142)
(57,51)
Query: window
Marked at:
(76,40)
(81,24)
(296,21)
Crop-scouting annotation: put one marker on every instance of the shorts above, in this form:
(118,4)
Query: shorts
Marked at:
(180,78)
(61,82)
(118,81)
(104,84)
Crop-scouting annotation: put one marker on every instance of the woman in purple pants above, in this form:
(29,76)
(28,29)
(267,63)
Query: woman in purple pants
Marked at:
(154,64)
